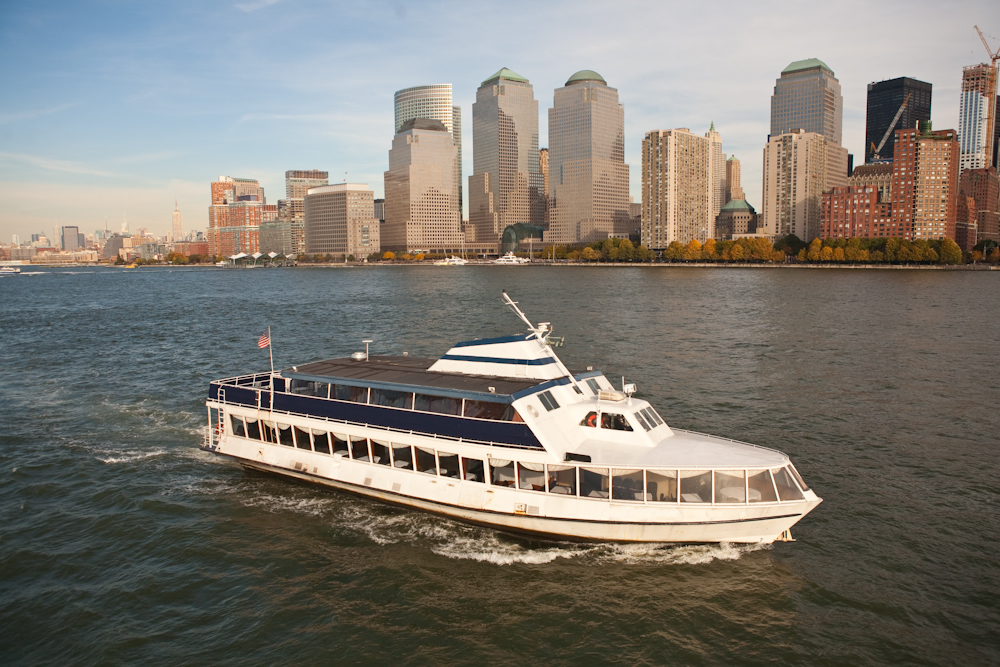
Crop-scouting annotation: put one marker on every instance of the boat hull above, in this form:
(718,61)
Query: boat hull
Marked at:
(533,514)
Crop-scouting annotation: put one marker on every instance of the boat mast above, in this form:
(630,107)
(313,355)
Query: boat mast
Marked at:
(541,332)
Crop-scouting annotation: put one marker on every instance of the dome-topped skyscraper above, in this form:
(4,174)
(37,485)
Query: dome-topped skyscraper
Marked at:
(588,177)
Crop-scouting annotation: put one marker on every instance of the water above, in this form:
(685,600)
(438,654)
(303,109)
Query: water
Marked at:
(122,542)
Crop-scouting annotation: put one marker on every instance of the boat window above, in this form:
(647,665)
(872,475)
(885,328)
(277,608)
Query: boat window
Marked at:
(238,428)
(562,479)
(594,482)
(546,398)
(642,421)
(310,388)
(472,470)
(501,472)
(402,457)
(425,460)
(489,410)
(614,422)
(761,489)
(380,452)
(392,399)
(359,448)
(696,486)
(594,387)
(626,484)
(531,476)
(786,487)
(340,444)
(653,417)
(253,428)
(300,436)
(448,465)
(270,430)
(798,477)
(577,390)
(343,392)
(443,405)
(729,486)
(661,485)
(285,435)
(321,441)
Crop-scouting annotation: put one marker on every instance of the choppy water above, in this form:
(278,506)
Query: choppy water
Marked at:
(121,542)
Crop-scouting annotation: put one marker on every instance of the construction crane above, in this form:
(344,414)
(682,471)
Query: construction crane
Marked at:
(992,102)
(876,157)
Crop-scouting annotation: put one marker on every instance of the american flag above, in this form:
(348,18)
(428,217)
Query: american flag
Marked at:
(264,341)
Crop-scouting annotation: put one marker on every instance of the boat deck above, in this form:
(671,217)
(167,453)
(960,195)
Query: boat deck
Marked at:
(412,371)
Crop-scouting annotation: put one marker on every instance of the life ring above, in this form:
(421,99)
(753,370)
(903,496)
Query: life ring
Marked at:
(592,420)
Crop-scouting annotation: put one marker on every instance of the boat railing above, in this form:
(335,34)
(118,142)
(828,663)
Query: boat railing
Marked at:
(738,442)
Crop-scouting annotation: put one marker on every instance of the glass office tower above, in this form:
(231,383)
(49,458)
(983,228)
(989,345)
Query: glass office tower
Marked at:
(807,97)
(433,102)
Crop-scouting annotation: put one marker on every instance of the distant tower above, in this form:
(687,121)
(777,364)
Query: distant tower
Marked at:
(734,188)
(506,186)
(543,167)
(717,173)
(176,231)
(588,175)
(807,97)
(884,100)
(979,88)
(124,225)
(433,102)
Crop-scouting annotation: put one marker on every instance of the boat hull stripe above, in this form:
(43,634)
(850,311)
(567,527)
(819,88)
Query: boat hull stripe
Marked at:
(492,341)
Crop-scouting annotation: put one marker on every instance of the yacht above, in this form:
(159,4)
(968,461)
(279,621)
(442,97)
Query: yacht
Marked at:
(499,433)
(452,261)
(510,258)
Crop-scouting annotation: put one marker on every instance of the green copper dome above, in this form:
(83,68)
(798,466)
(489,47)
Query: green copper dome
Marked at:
(586,75)
(800,65)
(738,205)
(506,74)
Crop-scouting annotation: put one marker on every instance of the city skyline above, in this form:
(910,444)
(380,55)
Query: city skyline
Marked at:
(123,109)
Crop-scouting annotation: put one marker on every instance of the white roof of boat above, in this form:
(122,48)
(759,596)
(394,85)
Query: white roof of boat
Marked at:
(684,449)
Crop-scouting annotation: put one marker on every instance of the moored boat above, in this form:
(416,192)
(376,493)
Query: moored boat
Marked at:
(498,432)
(510,259)
(454,260)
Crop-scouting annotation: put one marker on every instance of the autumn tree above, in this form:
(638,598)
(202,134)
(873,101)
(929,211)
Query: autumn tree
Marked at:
(708,251)
(950,253)
(838,254)
(815,248)
(736,253)
(693,250)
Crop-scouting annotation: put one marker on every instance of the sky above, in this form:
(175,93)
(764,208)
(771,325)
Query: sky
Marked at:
(115,109)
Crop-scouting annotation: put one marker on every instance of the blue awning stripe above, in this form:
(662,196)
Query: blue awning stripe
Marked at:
(494,341)
(499,360)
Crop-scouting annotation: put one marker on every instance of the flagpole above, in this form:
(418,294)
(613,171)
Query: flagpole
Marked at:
(270,350)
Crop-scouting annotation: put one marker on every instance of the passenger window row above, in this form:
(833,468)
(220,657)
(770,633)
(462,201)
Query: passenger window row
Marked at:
(444,405)
(633,485)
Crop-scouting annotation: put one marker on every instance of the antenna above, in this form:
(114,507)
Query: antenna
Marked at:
(367,343)
(541,332)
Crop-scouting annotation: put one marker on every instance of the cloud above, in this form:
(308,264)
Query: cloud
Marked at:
(27,115)
(49,164)
(254,6)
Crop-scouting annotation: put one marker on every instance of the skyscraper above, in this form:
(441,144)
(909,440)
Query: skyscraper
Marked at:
(293,214)
(588,177)
(798,168)
(884,100)
(506,186)
(807,97)
(176,231)
(543,167)
(435,103)
(734,187)
(420,190)
(681,186)
(234,216)
(340,219)
(979,89)
(925,183)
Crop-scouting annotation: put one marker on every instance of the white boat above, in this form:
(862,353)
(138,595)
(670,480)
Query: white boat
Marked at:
(9,270)
(452,261)
(510,258)
(497,432)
